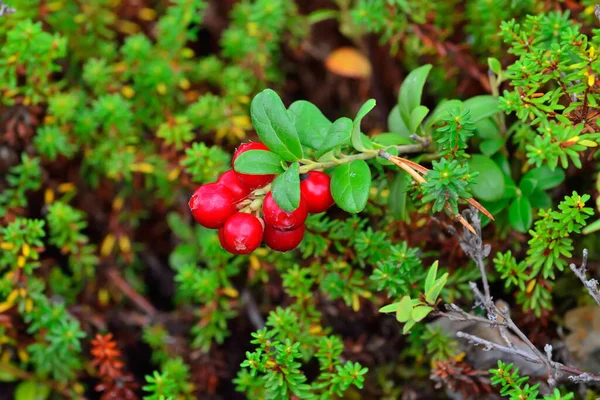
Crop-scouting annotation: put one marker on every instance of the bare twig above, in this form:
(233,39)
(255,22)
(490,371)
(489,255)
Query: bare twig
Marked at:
(498,316)
(473,247)
(130,292)
(6,10)
(592,284)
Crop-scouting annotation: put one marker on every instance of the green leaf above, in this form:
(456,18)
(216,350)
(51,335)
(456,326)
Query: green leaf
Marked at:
(541,178)
(30,390)
(432,294)
(286,189)
(274,126)
(391,139)
(404,309)
(398,196)
(390,308)
(357,141)
(420,312)
(591,228)
(6,376)
(338,134)
(312,126)
(491,146)
(416,117)
(520,214)
(481,107)
(487,129)
(258,162)
(495,65)
(350,185)
(540,199)
(431,275)
(490,182)
(396,124)
(184,253)
(411,91)
(408,326)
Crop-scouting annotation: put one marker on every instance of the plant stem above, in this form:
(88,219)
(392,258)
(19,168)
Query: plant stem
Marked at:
(366,155)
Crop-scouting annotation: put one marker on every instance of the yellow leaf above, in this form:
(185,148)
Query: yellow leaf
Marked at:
(5,306)
(173,174)
(348,62)
(255,263)
(28,305)
(107,245)
(127,27)
(128,91)
(48,196)
(230,292)
(118,203)
(530,286)
(591,80)
(142,167)
(161,88)
(21,261)
(314,329)
(10,246)
(125,244)
(588,143)
(147,14)
(23,355)
(184,84)
(66,187)
(355,302)
(26,250)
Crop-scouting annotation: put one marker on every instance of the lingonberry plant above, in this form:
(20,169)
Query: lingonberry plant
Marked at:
(280,199)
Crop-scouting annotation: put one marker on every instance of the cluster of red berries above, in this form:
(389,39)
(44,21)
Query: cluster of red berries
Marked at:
(217,206)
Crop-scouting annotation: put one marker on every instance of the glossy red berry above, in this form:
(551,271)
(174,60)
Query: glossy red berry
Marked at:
(315,188)
(241,234)
(283,220)
(252,181)
(212,204)
(230,180)
(283,240)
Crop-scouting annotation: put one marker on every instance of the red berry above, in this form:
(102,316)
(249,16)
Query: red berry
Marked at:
(283,240)
(252,181)
(316,191)
(283,220)
(230,180)
(241,234)
(212,204)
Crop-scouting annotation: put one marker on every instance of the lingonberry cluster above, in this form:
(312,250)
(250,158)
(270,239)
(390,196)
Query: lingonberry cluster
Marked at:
(233,205)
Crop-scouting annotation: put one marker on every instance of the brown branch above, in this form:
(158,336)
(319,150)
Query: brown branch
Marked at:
(130,292)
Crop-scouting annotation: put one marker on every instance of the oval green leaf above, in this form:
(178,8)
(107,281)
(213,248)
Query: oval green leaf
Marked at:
(337,135)
(30,390)
(274,126)
(420,312)
(395,122)
(350,185)
(404,309)
(481,107)
(411,91)
(357,141)
(311,125)
(431,275)
(520,214)
(286,189)
(541,178)
(258,162)
(490,182)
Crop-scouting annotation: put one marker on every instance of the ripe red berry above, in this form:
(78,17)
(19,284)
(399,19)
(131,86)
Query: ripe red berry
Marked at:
(315,187)
(283,240)
(230,180)
(212,204)
(252,181)
(241,234)
(283,220)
